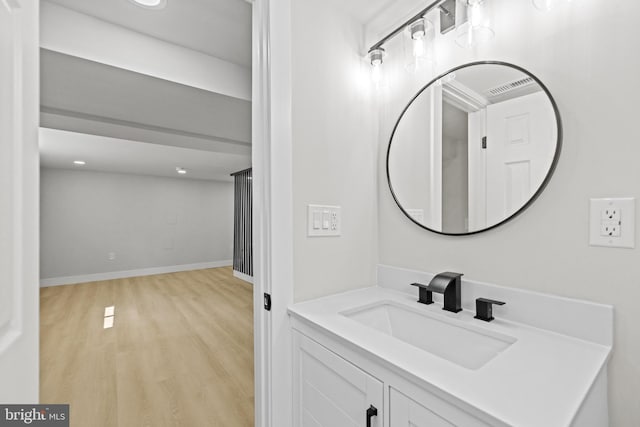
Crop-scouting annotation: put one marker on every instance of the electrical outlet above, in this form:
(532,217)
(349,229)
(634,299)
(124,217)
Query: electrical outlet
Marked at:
(612,223)
(334,221)
(610,229)
(111,256)
(611,213)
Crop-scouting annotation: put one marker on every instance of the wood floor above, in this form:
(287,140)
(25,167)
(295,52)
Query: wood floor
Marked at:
(180,352)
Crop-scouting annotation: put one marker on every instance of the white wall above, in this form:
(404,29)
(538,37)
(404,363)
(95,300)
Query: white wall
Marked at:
(146,221)
(76,34)
(586,53)
(410,159)
(334,156)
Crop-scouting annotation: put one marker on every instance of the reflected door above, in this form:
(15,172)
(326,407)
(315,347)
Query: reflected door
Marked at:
(521,134)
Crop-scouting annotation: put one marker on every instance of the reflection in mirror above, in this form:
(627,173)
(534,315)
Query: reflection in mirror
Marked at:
(473,148)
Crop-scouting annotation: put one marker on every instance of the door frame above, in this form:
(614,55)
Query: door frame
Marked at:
(273,210)
(272,222)
(19,227)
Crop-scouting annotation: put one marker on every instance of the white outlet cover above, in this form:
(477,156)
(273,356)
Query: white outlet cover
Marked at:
(626,211)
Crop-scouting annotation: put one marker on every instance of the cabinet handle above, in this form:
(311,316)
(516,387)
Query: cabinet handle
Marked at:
(371,412)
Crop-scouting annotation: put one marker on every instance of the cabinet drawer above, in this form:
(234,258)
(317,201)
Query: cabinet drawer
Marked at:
(329,391)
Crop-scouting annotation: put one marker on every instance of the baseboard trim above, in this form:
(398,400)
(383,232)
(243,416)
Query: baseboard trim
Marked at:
(69,280)
(243,276)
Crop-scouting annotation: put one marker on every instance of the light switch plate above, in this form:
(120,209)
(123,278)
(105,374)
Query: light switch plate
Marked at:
(323,221)
(612,222)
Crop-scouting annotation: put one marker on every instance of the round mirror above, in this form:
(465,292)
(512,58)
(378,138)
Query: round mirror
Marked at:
(473,148)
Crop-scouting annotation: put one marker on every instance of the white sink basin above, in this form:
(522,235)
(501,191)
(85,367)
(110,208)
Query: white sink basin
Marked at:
(450,339)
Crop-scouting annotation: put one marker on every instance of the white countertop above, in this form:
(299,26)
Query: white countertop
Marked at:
(540,380)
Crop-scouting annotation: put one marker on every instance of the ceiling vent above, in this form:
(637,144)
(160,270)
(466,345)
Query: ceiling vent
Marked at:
(508,87)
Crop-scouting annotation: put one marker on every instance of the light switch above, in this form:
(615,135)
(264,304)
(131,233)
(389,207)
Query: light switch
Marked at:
(326,215)
(323,221)
(612,222)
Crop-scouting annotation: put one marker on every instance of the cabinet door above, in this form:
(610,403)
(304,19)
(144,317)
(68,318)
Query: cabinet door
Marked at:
(331,392)
(406,412)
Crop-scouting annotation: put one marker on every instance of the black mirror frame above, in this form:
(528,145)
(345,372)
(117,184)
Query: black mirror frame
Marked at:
(542,186)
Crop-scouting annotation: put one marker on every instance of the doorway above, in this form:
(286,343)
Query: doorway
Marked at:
(144,219)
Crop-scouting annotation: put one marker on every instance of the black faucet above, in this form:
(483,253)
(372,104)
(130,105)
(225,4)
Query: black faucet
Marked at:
(447,284)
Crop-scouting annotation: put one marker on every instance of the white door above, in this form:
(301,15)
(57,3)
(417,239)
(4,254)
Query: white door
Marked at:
(329,391)
(19,201)
(521,139)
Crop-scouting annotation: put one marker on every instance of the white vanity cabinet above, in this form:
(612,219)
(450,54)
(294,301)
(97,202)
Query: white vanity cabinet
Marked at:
(362,349)
(329,391)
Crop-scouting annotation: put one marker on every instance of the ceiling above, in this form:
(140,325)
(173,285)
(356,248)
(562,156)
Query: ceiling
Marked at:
(58,149)
(76,87)
(220,28)
(122,121)
(364,10)
(484,77)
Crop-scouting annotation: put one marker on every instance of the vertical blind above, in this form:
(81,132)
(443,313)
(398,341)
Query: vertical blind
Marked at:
(242,226)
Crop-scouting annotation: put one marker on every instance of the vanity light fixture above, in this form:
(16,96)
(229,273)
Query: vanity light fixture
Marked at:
(376,57)
(418,44)
(79,162)
(418,27)
(477,28)
(418,32)
(150,4)
(181,171)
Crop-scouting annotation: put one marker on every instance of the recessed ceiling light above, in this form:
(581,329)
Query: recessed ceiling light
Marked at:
(79,162)
(181,171)
(150,4)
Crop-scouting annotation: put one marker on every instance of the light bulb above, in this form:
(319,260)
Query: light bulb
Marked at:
(376,73)
(375,57)
(418,47)
(475,13)
(417,31)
